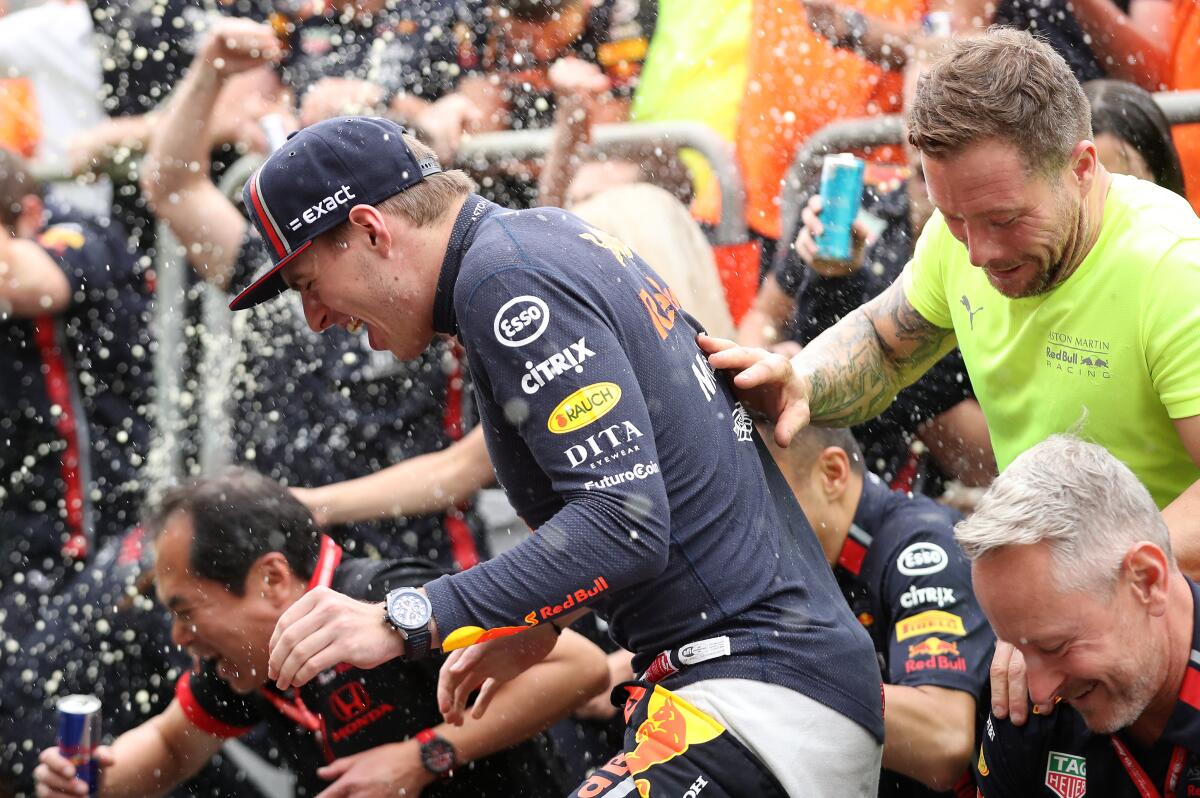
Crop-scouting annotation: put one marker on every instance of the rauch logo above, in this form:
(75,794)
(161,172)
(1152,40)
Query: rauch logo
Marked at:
(583,407)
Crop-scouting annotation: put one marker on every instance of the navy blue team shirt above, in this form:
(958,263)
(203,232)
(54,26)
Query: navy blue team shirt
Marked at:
(1056,755)
(639,471)
(73,424)
(906,579)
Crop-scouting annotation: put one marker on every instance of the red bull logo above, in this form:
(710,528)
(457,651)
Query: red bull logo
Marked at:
(942,656)
(599,585)
(671,726)
(932,647)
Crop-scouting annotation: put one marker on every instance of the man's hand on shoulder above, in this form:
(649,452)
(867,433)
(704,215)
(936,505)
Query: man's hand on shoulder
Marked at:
(1010,688)
(765,381)
(325,628)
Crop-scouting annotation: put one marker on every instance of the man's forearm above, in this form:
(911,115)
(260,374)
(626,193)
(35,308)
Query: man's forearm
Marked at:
(428,483)
(1182,517)
(145,765)
(855,368)
(181,145)
(1127,52)
(847,370)
(929,733)
(572,128)
(545,693)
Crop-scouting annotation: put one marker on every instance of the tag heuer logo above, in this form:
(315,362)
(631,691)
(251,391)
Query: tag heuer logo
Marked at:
(1066,775)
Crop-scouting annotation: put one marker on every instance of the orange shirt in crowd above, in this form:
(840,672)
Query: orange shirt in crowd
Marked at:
(797,83)
(1185,74)
(19,125)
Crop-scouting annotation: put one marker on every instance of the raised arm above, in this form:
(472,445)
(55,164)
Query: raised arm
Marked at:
(177,179)
(143,762)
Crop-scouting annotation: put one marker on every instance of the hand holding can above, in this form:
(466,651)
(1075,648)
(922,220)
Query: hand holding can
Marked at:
(79,737)
(841,196)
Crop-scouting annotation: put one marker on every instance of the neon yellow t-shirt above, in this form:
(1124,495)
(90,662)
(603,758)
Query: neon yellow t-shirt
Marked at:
(1116,346)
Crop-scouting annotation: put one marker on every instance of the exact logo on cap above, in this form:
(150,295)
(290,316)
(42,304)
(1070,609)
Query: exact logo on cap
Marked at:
(331,203)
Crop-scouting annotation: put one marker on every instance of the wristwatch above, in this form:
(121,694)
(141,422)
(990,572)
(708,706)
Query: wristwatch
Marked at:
(437,753)
(409,611)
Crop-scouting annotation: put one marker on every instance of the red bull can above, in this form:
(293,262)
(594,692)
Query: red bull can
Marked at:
(841,196)
(78,736)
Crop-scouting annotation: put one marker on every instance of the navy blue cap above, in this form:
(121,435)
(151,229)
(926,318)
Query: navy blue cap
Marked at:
(308,186)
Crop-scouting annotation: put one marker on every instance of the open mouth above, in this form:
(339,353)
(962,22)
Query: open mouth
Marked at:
(354,325)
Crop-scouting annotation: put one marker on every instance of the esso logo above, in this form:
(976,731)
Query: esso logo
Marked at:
(521,320)
(921,559)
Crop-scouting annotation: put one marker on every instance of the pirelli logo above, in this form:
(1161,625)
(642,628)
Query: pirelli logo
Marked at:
(930,622)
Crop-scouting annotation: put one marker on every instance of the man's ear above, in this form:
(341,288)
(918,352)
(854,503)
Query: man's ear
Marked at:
(1085,163)
(1147,570)
(833,465)
(271,577)
(370,220)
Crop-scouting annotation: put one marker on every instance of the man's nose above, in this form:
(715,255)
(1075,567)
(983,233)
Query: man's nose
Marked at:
(983,248)
(316,314)
(1045,681)
(182,633)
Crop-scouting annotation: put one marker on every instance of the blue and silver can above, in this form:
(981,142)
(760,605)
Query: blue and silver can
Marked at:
(841,196)
(78,736)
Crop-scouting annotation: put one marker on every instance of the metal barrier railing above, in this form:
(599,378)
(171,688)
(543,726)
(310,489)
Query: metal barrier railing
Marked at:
(525,144)
(1180,107)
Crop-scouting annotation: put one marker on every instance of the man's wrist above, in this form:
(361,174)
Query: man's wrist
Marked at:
(395,636)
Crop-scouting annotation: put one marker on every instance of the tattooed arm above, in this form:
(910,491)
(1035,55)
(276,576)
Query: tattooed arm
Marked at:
(848,374)
(856,368)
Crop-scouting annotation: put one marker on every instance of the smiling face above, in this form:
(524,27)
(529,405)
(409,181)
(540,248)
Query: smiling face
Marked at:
(1020,228)
(377,277)
(1107,656)
(209,621)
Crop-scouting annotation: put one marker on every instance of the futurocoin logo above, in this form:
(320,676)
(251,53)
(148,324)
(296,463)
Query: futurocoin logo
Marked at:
(583,407)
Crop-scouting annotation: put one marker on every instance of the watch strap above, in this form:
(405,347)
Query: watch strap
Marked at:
(416,644)
(430,741)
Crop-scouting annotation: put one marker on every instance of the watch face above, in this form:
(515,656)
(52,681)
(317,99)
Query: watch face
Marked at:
(438,755)
(409,610)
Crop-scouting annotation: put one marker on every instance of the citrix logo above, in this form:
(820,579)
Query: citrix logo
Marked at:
(340,197)
(542,373)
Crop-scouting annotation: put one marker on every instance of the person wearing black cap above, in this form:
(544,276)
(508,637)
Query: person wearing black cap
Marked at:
(653,500)
(307,410)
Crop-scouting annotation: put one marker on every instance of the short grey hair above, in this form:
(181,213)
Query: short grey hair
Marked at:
(1079,499)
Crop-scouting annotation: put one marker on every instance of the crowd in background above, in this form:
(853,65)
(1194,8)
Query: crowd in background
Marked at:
(118,120)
